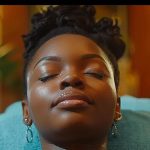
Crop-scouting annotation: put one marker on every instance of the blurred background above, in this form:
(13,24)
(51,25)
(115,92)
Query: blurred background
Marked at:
(134,66)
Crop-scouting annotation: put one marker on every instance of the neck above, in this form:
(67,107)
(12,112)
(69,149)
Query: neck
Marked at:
(75,146)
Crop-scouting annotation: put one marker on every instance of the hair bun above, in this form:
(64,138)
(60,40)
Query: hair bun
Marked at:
(117,47)
(77,17)
(109,32)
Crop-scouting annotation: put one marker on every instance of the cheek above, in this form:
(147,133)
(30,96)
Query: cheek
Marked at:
(40,98)
(105,95)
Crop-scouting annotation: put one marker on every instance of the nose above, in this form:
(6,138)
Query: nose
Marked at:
(73,80)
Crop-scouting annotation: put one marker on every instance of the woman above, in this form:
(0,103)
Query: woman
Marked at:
(71,78)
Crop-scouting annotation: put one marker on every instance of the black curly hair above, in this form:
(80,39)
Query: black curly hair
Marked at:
(75,19)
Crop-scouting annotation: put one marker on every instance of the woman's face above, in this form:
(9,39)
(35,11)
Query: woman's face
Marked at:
(71,93)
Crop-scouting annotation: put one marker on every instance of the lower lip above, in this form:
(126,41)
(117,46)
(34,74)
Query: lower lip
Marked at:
(75,103)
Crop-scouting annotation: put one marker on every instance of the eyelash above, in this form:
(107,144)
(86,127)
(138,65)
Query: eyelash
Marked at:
(46,78)
(96,75)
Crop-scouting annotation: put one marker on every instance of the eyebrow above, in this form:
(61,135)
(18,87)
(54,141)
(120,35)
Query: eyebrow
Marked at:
(58,59)
(89,56)
(50,58)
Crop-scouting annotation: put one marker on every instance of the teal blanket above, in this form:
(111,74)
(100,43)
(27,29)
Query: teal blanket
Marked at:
(134,130)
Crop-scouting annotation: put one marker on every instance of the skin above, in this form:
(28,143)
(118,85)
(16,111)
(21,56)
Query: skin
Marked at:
(74,72)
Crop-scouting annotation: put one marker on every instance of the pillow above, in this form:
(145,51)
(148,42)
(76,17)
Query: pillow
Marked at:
(134,128)
(136,104)
(13,130)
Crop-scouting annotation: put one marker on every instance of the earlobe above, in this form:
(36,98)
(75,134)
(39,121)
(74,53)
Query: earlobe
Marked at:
(26,115)
(118,115)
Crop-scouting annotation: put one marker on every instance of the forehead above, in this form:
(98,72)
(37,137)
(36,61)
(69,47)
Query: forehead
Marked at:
(68,46)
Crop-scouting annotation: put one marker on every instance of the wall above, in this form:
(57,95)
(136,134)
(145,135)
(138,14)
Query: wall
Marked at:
(139,33)
(13,23)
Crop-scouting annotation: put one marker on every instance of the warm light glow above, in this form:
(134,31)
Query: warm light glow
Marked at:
(5,49)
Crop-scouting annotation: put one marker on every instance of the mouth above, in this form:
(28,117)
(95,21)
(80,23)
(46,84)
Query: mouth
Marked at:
(72,101)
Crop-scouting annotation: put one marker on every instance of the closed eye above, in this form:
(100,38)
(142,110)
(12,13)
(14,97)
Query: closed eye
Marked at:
(96,75)
(47,77)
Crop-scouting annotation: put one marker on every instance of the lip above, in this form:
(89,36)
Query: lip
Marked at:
(72,101)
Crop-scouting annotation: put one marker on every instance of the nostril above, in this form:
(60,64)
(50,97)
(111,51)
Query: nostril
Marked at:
(73,81)
(65,84)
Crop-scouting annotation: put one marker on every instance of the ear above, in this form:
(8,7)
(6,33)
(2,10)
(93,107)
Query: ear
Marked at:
(118,115)
(26,115)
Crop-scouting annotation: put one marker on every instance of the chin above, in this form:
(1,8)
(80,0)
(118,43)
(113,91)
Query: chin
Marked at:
(79,130)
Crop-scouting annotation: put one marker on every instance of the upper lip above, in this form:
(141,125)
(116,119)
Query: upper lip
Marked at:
(74,96)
